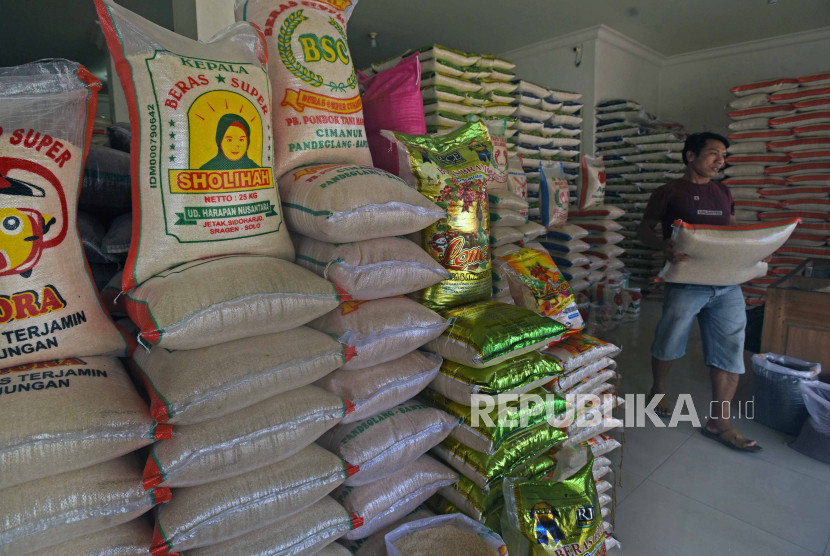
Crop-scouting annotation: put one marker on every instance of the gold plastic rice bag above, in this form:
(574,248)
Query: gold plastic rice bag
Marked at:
(536,283)
(453,171)
(547,518)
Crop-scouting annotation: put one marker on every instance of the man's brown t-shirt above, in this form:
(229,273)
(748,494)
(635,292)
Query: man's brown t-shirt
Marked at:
(696,203)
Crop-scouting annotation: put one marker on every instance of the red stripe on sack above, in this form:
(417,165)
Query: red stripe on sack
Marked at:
(761,134)
(162,495)
(810,128)
(791,202)
(752,86)
(817,190)
(357,522)
(759,226)
(799,94)
(814,77)
(754,181)
(351,469)
(140,314)
(798,167)
(811,103)
(158,545)
(760,204)
(797,142)
(759,158)
(788,214)
(342,295)
(808,154)
(152,476)
(805,250)
(808,177)
(799,118)
(162,432)
(349,353)
(814,226)
(348,405)
(761,110)
(158,407)
(785,260)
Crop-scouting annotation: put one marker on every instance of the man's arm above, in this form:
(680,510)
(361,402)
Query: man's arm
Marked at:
(647,234)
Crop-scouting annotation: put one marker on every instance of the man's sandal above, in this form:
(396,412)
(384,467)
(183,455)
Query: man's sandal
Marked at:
(733,439)
(662,409)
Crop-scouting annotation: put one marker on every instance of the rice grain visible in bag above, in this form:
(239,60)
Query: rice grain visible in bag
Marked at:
(381,330)
(380,387)
(371,269)
(202,146)
(484,334)
(128,539)
(49,308)
(68,414)
(344,203)
(309,531)
(222,510)
(217,300)
(384,443)
(317,114)
(50,511)
(453,171)
(375,544)
(192,386)
(391,498)
(259,435)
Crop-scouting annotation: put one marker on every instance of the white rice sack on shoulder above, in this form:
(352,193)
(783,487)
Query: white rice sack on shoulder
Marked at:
(391,498)
(130,539)
(202,145)
(51,511)
(70,414)
(725,255)
(220,510)
(380,387)
(191,386)
(381,330)
(49,307)
(373,268)
(237,297)
(317,113)
(345,202)
(258,435)
(312,530)
(381,445)
(580,349)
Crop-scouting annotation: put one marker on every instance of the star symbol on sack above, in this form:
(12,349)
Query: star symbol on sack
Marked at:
(172,123)
(220,78)
(172,158)
(172,135)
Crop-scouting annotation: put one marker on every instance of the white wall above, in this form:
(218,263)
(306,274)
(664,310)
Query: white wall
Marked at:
(694,88)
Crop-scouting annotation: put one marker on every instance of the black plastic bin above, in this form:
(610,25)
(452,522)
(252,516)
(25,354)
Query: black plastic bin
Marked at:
(776,390)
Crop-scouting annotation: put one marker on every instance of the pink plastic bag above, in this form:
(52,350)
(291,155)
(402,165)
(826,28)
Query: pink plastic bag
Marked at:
(392,100)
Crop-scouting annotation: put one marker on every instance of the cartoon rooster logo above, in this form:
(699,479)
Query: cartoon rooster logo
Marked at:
(22,230)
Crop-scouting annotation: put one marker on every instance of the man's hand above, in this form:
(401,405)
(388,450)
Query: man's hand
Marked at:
(671,255)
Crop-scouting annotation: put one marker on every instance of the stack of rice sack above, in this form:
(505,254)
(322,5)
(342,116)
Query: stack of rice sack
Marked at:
(347,219)
(219,305)
(72,418)
(640,154)
(588,369)
(779,166)
(492,350)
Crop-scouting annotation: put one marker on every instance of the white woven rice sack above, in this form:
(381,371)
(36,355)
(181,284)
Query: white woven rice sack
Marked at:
(724,255)
(388,441)
(309,531)
(211,301)
(375,544)
(317,114)
(382,329)
(256,436)
(391,498)
(222,510)
(380,387)
(65,415)
(49,307)
(128,539)
(345,202)
(202,147)
(371,269)
(53,510)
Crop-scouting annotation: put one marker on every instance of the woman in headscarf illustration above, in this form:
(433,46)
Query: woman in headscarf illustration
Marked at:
(232,138)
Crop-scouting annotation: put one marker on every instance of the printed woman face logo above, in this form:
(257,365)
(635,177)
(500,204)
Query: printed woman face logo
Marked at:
(235,142)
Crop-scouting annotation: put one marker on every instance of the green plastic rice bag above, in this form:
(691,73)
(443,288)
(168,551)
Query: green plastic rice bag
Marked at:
(453,171)
(546,518)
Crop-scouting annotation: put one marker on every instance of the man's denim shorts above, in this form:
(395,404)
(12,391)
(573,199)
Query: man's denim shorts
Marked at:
(721,314)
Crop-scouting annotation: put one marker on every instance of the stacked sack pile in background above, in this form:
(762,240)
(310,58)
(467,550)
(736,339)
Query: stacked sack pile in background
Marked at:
(779,166)
(72,418)
(640,154)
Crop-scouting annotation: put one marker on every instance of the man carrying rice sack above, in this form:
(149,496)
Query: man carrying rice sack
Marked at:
(720,310)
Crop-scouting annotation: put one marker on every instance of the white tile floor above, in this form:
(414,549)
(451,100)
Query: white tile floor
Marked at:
(683,494)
